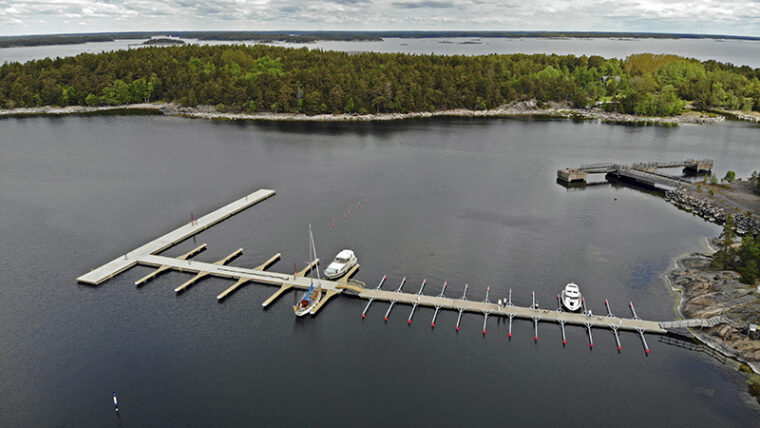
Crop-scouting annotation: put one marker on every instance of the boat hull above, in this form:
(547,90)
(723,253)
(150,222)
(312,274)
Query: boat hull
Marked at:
(301,310)
(341,272)
(571,304)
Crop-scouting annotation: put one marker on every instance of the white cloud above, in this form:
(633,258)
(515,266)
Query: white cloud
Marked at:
(697,16)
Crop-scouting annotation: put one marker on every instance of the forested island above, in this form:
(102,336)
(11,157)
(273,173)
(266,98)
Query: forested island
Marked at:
(313,36)
(272,79)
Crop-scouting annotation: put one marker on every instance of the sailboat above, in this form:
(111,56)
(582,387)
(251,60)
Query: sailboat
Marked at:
(314,294)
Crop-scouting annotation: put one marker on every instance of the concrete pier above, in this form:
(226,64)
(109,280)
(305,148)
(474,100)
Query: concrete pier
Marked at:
(646,173)
(126,261)
(570,175)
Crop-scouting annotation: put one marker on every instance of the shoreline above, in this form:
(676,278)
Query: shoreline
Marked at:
(522,109)
(696,283)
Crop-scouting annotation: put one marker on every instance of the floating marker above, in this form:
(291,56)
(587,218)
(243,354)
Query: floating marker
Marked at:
(607,305)
(403,281)
(535,318)
(414,306)
(617,339)
(511,315)
(561,321)
(115,403)
(393,302)
(461,309)
(486,313)
(438,308)
(364,314)
(641,332)
(633,310)
(613,327)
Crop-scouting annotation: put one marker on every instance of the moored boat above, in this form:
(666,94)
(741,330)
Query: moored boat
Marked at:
(343,261)
(571,297)
(308,301)
(314,294)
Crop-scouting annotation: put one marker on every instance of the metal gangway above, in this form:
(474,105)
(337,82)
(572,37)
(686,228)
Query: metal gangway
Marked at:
(694,322)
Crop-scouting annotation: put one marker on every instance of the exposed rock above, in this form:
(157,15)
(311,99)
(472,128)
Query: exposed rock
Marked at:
(706,293)
(705,206)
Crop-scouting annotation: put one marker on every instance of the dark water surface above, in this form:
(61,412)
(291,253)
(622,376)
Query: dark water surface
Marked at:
(458,200)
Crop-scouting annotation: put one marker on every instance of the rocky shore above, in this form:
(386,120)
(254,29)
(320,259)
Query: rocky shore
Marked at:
(713,209)
(708,293)
(517,109)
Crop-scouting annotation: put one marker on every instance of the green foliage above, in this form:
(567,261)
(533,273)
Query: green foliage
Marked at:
(730,177)
(745,260)
(665,103)
(268,78)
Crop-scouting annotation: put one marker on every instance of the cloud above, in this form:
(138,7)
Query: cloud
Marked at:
(695,16)
(423,4)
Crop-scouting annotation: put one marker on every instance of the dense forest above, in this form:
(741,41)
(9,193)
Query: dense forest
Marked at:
(260,36)
(275,79)
(299,36)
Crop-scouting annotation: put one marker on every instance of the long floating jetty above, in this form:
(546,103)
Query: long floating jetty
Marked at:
(146,256)
(122,263)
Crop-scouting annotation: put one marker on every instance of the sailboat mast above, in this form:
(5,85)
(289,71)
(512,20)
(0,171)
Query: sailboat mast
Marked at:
(313,251)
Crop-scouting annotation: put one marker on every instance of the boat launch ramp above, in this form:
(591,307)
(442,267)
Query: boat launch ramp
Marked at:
(147,255)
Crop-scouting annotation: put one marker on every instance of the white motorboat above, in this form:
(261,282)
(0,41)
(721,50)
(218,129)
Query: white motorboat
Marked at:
(571,297)
(342,263)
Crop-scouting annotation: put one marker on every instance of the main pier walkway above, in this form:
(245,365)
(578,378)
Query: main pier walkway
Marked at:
(146,255)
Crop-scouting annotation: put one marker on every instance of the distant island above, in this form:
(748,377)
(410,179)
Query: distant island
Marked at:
(163,41)
(314,36)
(272,80)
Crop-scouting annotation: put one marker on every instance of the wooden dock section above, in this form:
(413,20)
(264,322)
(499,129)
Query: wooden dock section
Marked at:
(332,288)
(122,263)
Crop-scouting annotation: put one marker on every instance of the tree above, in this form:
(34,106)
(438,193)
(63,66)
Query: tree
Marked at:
(281,79)
(730,177)
(721,260)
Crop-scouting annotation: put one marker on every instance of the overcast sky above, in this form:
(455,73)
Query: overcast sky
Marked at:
(740,17)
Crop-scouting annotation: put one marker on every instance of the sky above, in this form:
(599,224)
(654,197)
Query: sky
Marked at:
(735,17)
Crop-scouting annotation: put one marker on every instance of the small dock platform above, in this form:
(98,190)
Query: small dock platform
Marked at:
(645,173)
(130,259)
